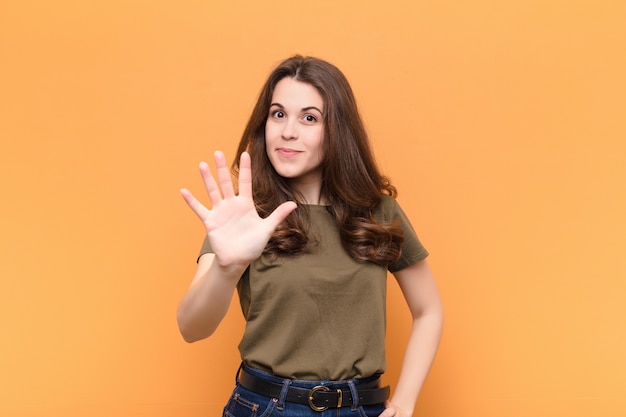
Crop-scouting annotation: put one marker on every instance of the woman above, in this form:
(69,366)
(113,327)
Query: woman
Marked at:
(307,240)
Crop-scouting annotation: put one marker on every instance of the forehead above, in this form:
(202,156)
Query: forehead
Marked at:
(297,94)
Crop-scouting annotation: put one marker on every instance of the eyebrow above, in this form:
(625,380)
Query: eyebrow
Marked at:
(303,109)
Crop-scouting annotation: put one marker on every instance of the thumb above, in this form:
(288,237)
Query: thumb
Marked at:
(281,213)
(390,411)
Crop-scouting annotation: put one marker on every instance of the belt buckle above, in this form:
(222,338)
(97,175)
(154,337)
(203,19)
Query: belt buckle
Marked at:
(313,391)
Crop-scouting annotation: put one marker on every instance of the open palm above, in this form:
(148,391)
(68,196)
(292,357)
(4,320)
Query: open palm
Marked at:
(236,232)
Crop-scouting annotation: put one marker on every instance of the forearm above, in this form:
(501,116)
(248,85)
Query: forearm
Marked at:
(419,356)
(206,302)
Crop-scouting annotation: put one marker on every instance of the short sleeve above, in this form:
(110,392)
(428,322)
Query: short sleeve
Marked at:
(206,248)
(412,249)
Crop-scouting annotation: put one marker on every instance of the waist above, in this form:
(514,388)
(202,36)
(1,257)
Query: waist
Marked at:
(319,395)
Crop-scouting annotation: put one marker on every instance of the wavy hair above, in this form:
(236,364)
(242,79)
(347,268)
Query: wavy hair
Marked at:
(351,181)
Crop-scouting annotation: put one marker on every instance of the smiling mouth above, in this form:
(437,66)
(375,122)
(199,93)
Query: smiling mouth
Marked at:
(287,152)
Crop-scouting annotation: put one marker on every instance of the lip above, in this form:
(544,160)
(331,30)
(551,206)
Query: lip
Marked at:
(287,153)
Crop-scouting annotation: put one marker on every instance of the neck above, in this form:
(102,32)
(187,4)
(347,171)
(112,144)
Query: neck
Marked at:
(312,193)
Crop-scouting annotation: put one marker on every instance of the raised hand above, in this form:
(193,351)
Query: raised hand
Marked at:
(236,232)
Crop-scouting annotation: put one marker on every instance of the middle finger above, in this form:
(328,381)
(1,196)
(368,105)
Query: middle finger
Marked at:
(223,175)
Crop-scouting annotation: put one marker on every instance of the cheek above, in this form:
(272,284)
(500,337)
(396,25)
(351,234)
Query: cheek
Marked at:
(268,135)
(320,145)
(272,131)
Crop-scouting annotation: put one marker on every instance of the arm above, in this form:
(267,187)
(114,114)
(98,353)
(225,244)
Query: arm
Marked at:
(207,300)
(420,291)
(237,235)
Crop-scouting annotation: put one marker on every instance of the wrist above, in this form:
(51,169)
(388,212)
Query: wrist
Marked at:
(230,269)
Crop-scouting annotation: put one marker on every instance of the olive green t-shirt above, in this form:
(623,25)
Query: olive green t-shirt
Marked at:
(320,315)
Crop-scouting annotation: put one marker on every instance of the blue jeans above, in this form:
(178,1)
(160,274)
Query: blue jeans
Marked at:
(245,403)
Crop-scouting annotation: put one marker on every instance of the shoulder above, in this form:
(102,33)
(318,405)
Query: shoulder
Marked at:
(387,208)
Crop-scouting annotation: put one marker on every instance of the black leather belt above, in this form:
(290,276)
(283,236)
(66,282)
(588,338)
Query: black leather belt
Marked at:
(319,398)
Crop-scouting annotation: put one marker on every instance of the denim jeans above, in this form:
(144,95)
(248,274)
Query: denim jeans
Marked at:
(245,403)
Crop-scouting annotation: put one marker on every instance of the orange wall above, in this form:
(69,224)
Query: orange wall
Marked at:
(502,124)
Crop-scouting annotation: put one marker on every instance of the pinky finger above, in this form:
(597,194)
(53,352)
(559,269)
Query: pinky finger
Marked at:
(197,207)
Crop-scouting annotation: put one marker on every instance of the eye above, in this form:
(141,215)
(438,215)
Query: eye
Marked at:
(279,114)
(310,118)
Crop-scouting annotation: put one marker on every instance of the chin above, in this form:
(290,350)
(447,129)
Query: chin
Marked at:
(286,173)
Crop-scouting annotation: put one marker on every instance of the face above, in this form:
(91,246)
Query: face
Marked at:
(294,132)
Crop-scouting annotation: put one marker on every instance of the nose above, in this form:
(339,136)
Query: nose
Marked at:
(290,130)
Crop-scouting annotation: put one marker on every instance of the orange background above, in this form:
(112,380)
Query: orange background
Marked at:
(501,122)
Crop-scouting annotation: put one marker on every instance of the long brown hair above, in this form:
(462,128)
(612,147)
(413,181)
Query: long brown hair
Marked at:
(351,181)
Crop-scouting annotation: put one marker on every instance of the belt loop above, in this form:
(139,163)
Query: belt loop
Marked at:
(354,393)
(283,393)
